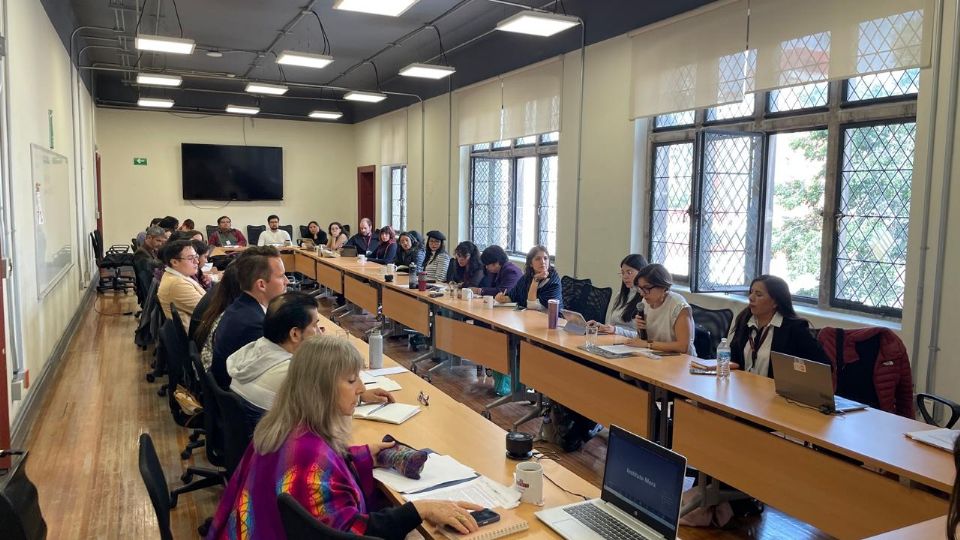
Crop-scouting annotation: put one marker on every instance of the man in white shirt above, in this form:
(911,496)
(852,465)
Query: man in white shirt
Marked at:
(274,235)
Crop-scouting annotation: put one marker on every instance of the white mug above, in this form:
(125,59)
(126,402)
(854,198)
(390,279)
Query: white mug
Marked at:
(488,301)
(391,268)
(467,293)
(529,481)
(361,258)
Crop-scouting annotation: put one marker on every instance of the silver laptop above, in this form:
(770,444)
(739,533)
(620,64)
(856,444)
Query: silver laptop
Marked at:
(640,499)
(810,383)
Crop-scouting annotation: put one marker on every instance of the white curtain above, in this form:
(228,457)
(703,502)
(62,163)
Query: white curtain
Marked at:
(694,61)
(531,100)
(804,41)
(479,109)
(393,138)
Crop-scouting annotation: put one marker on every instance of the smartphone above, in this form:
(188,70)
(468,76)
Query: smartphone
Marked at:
(485,516)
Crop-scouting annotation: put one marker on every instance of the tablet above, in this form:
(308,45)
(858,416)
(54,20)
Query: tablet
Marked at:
(573,317)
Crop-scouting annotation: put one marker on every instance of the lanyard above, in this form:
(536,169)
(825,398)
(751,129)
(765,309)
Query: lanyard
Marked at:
(755,343)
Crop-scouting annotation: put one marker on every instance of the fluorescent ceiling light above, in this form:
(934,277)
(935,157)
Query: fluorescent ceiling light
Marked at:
(326,115)
(369,97)
(264,88)
(392,8)
(164,44)
(155,103)
(310,60)
(236,109)
(427,71)
(537,24)
(155,79)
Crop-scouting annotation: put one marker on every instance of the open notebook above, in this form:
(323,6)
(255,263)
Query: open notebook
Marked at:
(509,523)
(391,413)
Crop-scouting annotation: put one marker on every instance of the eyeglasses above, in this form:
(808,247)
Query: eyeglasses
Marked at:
(423,399)
(190,258)
(630,272)
(647,290)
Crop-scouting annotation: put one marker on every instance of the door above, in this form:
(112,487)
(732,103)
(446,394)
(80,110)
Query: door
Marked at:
(366,193)
(99,200)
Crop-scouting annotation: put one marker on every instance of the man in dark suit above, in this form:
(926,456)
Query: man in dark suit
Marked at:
(262,279)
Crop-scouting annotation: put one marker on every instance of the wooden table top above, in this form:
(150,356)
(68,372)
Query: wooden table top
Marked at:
(925,530)
(872,436)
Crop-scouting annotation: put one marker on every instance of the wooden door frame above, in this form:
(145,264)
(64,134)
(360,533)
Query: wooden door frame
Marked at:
(361,171)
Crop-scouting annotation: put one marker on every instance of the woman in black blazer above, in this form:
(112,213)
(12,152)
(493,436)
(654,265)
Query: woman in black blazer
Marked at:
(769,323)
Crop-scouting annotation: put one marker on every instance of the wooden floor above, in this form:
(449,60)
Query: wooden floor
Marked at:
(83,448)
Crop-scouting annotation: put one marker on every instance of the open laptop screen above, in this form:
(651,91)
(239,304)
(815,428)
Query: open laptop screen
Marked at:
(644,480)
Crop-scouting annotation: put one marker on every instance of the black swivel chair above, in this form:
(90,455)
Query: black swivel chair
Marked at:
(112,265)
(156,483)
(253,233)
(716,322)
(210,230)
(299,523)
(233,423)
(304,231)
(581,296)
(926,401)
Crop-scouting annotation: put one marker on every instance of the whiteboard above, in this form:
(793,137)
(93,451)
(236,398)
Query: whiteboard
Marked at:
(52,218)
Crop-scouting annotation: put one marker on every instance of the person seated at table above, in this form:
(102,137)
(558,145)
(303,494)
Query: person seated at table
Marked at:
(147,257)
(436,260)
(315,234)
(142,235)
(540,283)
(365,241)
(769,323)
(187,235)
(664,315)
(301,447)
(499,273)
(465,268)
(274,235)
(386,250)
(213,304)
(410,253)
(178,284)
(203,250)
(169,223)
(623,306)
(226,235)
(259,368)
(336,238)
(187,225)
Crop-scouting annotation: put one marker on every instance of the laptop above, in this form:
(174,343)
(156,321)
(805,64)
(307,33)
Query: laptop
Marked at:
(810,383)
(307,243)
(640,499)
(348,251)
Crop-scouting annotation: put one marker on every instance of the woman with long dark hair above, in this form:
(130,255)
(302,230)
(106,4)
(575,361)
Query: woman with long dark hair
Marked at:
(336,238)
(667,317)
(769,323)
(410,252)
(466,267)
(315,234)
(223,295)
(623,307)
(540,283)
(386,250)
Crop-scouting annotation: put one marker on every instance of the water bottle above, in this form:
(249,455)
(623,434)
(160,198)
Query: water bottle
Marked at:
(375,349)
(422,281)
(723,360)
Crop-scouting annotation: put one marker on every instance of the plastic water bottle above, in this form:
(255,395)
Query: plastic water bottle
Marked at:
(723,360)
(375,349)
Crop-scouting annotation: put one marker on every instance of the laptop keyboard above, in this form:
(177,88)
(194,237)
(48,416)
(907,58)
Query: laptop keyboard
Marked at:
(602,523)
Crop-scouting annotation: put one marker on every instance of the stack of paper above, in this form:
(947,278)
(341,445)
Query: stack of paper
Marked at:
(481,490)
(372,381)
(394,370)
(942,438)
(391,413)
(704,363)
(436,471)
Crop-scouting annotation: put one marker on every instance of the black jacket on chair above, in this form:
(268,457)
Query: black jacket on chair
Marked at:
(792,337)
(242,323)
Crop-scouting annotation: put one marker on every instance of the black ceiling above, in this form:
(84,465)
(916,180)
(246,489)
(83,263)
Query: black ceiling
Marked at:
(244,30)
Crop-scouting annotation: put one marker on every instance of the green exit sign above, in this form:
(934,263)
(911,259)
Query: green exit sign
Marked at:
(140,161)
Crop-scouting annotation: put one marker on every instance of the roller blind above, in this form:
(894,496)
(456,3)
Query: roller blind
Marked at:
(531,100)
(692,62)
(393,138)
(807,41)
(479,109)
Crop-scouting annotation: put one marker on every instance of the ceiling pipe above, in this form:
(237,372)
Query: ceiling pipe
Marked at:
(287,28)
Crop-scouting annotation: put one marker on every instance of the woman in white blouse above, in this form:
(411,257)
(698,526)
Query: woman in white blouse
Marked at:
(623,306)
(665,317)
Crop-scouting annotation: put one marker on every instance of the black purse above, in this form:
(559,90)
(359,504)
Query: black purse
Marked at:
(20,517)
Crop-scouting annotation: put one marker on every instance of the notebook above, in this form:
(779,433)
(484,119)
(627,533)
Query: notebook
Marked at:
(942,438)
(391,413)
(704,363)
(509,523)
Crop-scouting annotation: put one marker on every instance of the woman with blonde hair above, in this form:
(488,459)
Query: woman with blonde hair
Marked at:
(300,447)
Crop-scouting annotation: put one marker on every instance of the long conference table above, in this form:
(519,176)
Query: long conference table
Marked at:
(851,476)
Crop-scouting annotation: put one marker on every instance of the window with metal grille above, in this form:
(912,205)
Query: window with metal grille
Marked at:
(398,198)
(513,193)
(814,188)
(873,213)
(670,207)
(672,120)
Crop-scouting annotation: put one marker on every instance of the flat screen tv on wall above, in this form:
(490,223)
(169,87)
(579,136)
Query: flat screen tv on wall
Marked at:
(216,172)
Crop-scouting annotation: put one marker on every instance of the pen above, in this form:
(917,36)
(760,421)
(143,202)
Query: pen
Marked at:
(382,405)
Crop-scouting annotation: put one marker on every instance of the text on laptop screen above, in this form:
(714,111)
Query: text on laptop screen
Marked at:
(647,484)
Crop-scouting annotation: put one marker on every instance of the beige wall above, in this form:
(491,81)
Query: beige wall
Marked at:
(39,81)
(319,169)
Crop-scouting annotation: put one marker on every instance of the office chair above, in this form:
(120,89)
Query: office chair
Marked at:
(289,229)
(253,233)
(20,514)
(573,290)
(112,264)
(716,322)
(592,301)
(299,523)
(210,230)
(925,401)
(156,484)
(232,421)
